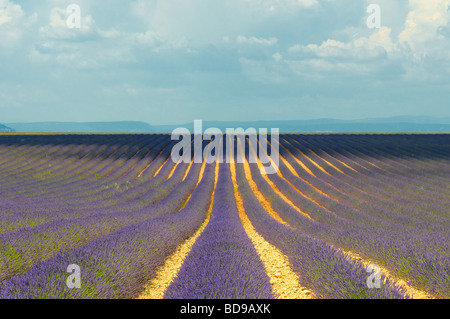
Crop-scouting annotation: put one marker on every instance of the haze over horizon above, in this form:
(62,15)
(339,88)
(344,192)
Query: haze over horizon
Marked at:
(171,62)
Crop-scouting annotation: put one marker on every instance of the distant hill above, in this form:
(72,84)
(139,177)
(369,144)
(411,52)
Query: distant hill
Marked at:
(5,129)
(386,125)
(400,124)
(410,119)
(88,127)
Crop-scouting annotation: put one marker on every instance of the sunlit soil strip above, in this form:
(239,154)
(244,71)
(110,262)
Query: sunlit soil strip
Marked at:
(292,170)
(331,185)
(314,163)
(331,165)
(264,202)
(413,292)
(187,170)
(174,167)
(326,161)
(131,168)
(161,167)
(356,163)
(374,164)
(308,197)
(168,272)
(189,167)
(299,191)
(284,281)
(202,169)
(298,161)
(139,175)
(318,190)
(349,167)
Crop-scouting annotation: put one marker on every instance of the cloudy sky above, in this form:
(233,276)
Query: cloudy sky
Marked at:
(173,61)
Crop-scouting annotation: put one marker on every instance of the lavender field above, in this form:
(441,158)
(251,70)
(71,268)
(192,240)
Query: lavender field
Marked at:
(141,226)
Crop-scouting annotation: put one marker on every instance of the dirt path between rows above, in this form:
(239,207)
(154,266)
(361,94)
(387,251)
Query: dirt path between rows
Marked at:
(168,272)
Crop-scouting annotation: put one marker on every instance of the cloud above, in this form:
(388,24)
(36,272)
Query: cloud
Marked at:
(11,17)
(253,40)
(272,5)
(166,61)
(378,45)
(277,56)
(426,21)
(58,29)
(147,38)
(9,12)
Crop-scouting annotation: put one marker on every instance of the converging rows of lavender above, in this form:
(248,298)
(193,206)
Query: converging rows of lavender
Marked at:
(118,207)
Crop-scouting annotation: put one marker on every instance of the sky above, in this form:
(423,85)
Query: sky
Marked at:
(174,61)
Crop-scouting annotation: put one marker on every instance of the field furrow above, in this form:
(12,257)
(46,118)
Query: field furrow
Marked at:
(140,224)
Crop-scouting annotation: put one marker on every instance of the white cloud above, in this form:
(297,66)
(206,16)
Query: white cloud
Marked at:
(206,21)
(208,53)
(320,69)
(57,26)
(273,5)
(9,11)
(11,17)
(277,56)
(253,40)
(378,45)
(425,19)
(416,46)
(147,38)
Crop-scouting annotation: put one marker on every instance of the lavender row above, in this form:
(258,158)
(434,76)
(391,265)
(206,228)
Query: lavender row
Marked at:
(141,192)
(223,263)
(422,256)
(137,199)
(120,264)
(324,153)
(326,271)
(388,164)
(106,151)
(28,158)
(34,169)
(344,192)
(33,218)
(46,174)
(348,190)
(374,153)
(94,167)
(24,248)
(375,173)
(69,187)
